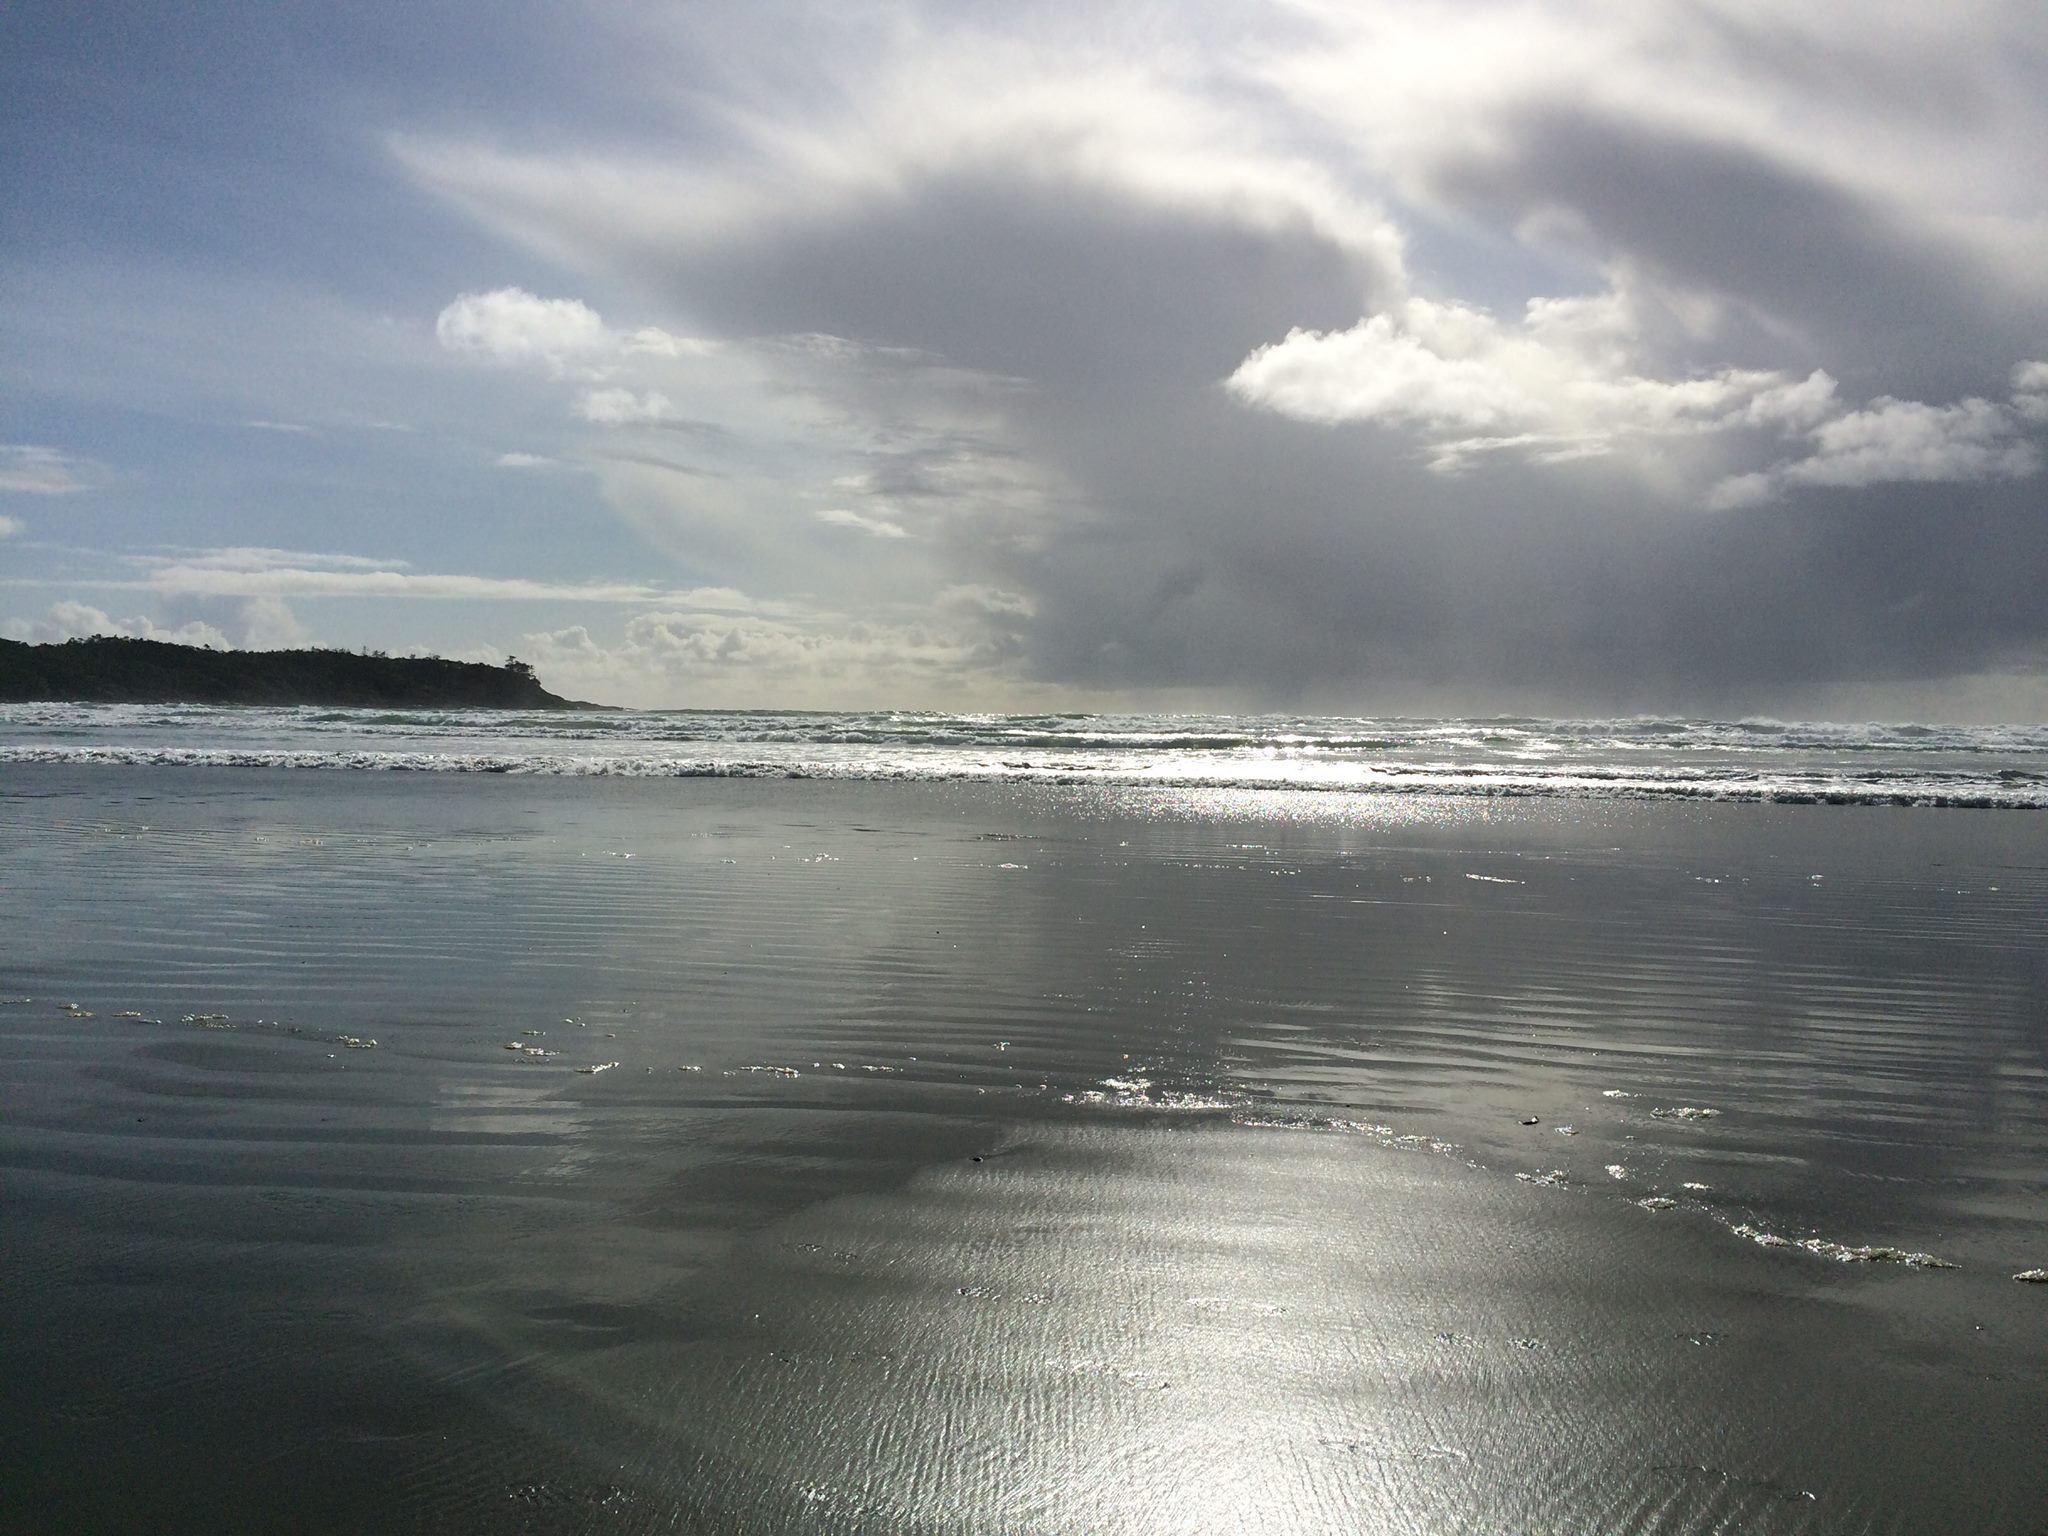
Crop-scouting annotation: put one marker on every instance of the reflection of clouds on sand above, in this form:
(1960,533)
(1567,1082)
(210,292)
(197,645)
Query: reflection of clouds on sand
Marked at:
(530,1110)
(978,1215)
(1105,1330)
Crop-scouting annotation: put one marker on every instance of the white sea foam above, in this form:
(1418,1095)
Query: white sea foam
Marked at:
(1385,1135)
(1150,1099)
(1843,1253)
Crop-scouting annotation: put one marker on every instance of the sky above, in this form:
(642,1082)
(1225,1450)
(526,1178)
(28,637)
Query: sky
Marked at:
(1416,356)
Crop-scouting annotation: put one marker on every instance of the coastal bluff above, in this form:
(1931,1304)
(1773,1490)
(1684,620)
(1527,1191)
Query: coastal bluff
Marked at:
(112,670)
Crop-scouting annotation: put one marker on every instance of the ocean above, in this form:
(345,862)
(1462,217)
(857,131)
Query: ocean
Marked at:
(922,1123)
(1761,760)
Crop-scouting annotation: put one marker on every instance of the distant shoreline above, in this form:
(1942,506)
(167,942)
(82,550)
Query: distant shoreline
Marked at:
(112,670)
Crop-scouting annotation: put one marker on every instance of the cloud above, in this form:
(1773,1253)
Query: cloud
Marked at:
(296,428)
(525,461)
(2030,391)
(796,658)
(1560,385)
(1909,440)
(1500,297)
(268,624)
(1055,111)
(652,341)
(77,621)
(1900,441)
(1791,406)
(562,336)
(10,527)
(265,575)
(988,601)
(31,470)
(1854,180)
(287,581)
(624,408)
(873,527)
(250,557)
(1353,352)
(510,325)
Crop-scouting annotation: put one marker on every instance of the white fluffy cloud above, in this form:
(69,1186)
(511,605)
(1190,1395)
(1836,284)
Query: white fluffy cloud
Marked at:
(510,325)
(1559,379)
(79,621)
(564,336)
(268,624)
(1564,383)
(10,527)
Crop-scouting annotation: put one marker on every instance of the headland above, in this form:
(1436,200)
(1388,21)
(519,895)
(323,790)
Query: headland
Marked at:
(108,669)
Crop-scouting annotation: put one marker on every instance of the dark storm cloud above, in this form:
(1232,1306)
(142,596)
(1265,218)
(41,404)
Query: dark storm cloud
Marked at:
(1368,578)
(1858,285)
(1196,542)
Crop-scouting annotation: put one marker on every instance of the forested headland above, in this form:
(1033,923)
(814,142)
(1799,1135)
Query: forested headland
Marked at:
(108,669)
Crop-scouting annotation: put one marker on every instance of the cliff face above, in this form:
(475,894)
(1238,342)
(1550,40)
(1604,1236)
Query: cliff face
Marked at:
(109,670)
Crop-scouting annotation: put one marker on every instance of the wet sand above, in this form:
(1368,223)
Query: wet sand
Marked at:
(995,1160)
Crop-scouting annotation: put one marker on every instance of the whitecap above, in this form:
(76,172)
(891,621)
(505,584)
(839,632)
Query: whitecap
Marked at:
(1845,1253)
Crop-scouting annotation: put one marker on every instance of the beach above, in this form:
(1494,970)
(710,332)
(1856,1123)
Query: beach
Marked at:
(812,769)
(492,1151)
